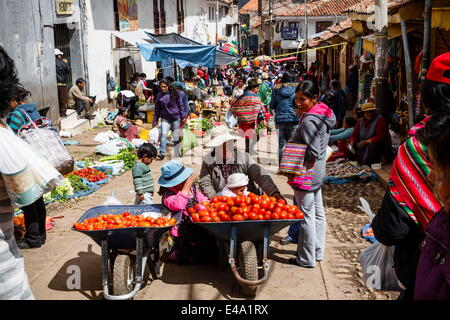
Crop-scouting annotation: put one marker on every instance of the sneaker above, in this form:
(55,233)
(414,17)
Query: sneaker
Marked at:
(294,262)
(24,245)
(286,240)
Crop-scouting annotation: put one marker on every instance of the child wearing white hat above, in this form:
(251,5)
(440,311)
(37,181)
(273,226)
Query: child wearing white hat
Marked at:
(236,185)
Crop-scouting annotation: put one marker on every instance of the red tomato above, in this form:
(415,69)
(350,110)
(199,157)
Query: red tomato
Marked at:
(203,213)
(253,216)
(225,217)
(195,217)
(243,204)
(262,211)
(215,199)
(261,217)
(223,207)
(267,217)
(293,209)
(274,216)
(280,205)
(277,210)
(246,210)
(257,206)
(224,199)
(245,215)
(238,217)
(271,206)
(255,210)
(282,201)
(206,219)
(299,215)
(286,207)
(230,202)
(234,210)
(264,204)
(290,216)
(272,199)
(216,219)
(283,215)
(221,213)
(248,200)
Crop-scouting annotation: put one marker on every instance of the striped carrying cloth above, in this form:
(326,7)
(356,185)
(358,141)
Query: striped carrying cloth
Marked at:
(293,162)
(408,181)
(246,107)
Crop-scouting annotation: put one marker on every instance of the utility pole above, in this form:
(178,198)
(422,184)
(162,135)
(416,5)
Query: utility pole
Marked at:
(306,34)
(381,47)
(217,22)
(270,27)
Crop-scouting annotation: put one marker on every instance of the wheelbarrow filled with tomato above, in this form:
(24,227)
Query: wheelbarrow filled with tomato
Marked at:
(129,237)
(243,226)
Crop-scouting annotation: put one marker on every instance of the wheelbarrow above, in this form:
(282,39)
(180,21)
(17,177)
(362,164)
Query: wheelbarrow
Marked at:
(126,251)
(242,238)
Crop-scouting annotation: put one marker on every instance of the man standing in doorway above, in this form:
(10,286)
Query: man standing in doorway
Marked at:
(79,101)
(62,71)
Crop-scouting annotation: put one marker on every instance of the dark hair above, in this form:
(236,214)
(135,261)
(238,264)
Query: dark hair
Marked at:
(143,75)
(326,68)
(147,149)
(170,79)
(335,84)
(122,110)
(439,144)
(287,77)
(308,88)
(436,96)
(350,121)
(8,81)
(79,80)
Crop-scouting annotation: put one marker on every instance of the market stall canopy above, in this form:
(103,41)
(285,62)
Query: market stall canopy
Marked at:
(199,55)
(134,37)
(222,58)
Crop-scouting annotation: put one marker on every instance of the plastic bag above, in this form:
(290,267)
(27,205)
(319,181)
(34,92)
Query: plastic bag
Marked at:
(230,120)
(26,175)
(377,262)
(112,147)
(115,165)
(112,200)
(138,142)
(153,135)
(189,141)
(104,137)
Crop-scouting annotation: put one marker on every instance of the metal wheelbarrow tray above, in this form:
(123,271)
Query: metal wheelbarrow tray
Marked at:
(244,234)
(125,251)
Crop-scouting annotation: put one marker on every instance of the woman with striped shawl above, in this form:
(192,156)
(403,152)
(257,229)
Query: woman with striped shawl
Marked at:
(410,203)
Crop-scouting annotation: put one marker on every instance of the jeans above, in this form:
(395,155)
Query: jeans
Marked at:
(285,131)
(311,236)
(167,125)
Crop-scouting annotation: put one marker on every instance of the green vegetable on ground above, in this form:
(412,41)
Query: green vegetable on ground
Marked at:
(128,156)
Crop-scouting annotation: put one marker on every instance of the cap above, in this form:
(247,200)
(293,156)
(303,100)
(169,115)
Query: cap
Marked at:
(440,69)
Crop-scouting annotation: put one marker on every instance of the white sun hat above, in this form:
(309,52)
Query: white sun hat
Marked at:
(220,135)
(237,180)
(58,52)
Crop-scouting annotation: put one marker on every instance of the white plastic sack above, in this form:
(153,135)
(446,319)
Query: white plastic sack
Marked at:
(377,262)
(117,166)
(366,208)
(230,120)
(154,136)
(112,147)
(112,200)
(104,137)
(27,175)
(138,142)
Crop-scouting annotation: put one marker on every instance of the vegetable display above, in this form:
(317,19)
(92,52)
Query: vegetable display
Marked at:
(62,191)
(207,125)
(128,156)
(77,184)
(123,220)
(242,208)
(90,174)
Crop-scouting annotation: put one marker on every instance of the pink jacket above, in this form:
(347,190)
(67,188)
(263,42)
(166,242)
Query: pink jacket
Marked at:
(179,202)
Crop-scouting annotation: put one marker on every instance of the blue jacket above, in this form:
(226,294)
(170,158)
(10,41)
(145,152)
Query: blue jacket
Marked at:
(282,103)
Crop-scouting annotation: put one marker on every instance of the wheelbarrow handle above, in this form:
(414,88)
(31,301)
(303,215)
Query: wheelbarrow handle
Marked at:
(249,282)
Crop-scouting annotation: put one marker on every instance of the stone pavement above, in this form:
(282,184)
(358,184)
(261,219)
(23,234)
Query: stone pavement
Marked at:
(50,266)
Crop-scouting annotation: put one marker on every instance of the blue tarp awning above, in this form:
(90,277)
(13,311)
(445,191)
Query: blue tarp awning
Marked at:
(199,55)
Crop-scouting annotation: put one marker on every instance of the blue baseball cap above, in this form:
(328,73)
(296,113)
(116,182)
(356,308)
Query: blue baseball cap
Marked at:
(173,173)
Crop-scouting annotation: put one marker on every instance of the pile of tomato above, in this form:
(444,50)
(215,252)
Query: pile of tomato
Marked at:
(90,174)
(242,208)
(124,220)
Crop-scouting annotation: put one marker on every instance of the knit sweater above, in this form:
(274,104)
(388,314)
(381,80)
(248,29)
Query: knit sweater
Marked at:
(142,178)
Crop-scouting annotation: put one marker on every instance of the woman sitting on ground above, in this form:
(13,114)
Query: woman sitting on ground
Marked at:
(371,139)
(126,129)
(341,136)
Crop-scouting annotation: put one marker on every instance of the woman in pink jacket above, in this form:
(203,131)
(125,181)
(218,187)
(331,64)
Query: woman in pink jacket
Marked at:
(192,244)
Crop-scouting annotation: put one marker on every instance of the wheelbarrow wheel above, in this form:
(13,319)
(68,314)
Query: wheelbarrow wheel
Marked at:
(123,272)
(248,266)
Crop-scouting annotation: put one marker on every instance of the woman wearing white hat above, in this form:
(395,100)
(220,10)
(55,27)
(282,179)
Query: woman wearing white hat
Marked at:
(224,160)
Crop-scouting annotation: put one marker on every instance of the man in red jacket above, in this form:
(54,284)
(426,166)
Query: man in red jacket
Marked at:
(371,139)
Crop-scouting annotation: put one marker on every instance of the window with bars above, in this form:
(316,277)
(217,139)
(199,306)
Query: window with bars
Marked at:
(156,22)
(180,16)
(212,14)
(162,13)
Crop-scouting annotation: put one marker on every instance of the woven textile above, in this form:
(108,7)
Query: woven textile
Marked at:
(247,107)
(409,184)
(293,162)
